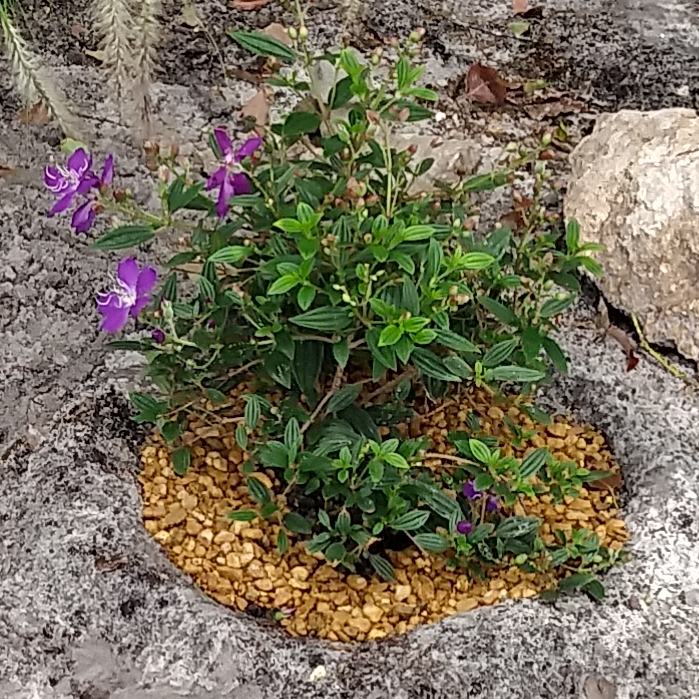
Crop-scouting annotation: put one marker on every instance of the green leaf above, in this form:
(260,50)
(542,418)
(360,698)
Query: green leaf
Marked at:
(439,502)
(181,458)
(575,582)
(533,462)
(423,93)
(531,343)
(515,527)
(230,254)
(485,183)
(294,522)
(242,515)
(419,232)
(556,354)
(171,431)
(390,335)
(450,339)
(397,461)
(572,236)
(282,542)
(300,124)
(306,366)
(292,436)
(274,455)
(343,398)
(317,543)
(258,490)
(241,437)
(283,284)
(382,567)
(306,295)
(431,542)
(268,509)
(499,352)
(341,352)
(124,237)
(252,411)
(484,481)
(431,365)
(595,589)
(327,319)
(458,366)
(499,310)
(180,198)
(480,451)
(216,397)
(289,225)
(555,306)
(403,73)
(518,374)
(263,45)
(376,470)
(409,521)
(404,261)
(335,552)
(477,260)
(342,95)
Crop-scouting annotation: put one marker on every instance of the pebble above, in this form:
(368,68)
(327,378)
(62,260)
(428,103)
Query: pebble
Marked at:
(372,612)
(175,516)
(402,592)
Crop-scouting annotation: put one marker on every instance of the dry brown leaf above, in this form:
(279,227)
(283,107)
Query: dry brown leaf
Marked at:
(256,108)
(485,85)
(108,565)
(248,4)
(610,482)
(519,7)
(36,115)
(190,16)
(246,75)
(6,171)
(278,31)
(554,108)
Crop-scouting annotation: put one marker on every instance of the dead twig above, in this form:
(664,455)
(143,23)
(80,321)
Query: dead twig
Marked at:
(389,385)
(334,388)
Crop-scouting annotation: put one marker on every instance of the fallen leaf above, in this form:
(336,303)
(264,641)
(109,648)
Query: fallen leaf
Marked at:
(77,30)
(631,361)
(599,688)
(248,4)
(107,565)
(245,75)
(519,28)
(36,115)
(610,482)
(190,16)
(278,31)
(519,7)
(99,55)
(256,108)
(554,108)
(484,84)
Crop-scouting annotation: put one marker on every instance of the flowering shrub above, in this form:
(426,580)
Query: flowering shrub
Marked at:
(318,273)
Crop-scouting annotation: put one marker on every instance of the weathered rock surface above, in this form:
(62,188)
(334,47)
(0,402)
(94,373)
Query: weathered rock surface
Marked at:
(635,189)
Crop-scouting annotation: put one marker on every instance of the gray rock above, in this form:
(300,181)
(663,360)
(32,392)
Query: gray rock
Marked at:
(635,189)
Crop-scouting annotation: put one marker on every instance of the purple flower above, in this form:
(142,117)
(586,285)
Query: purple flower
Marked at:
(128,297)
(470,492)
(67,182)
(464,527)
(107,172)
(225,179)
(492,504)
(83,217)
(158,335)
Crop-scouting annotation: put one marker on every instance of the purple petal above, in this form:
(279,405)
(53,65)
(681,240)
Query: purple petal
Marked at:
(55,180)
(115,314)
(87,183)
(248,148)
(79,162)
(223,141)
(108,171)
(225,193)
(240,182)
(62,204)
(83,218)
(470,492)
(217,179)
(464,527)
(141,303)
(158,335)
(492,504)
(146,280)
(127,273)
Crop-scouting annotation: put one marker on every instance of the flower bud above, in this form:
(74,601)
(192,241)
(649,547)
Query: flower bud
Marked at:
(361,203)
(346,298)
(403,115)
(546,139)
(368,238)
(303,33)
(412,148)
(372,200)
(292,33)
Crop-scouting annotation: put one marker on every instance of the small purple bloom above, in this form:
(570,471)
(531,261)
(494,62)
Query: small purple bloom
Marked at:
(225,179)
(67,182)
(129,296)
(158,335)
(83,217)
(107,172)
(492,504)
(470,492)
(464,527)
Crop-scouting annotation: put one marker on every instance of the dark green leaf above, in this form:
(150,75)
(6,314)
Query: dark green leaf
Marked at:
(242,515)
(382,567)
(518,374)
(216,396)
(294,522)
(241,437)
(341,94)
(335,552)
(595,589)
(458,366)
(341,352)
(181,458)
(575,582)
(258,490)
(484,481)
(555,306)
(515,527)
(456,342)
(533,462)
(317,543)
(432,365)
(344,398)
(499,310)
(230,254)
(572,236)
(531,343)
(484,183)
(180,198)
(124,237)
(306,366)
(268,509)
(282,542)
(555,354)
(130,345)
(327,319)
(361,421)
(300,124)
(274,455)
(171,431)
(410,521)
(431,542)
(264,45)
(499,352)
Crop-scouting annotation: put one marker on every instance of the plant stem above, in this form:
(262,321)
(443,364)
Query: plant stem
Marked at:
(337,380)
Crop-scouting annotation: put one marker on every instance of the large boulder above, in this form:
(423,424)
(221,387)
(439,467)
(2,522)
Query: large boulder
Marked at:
(635,189)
